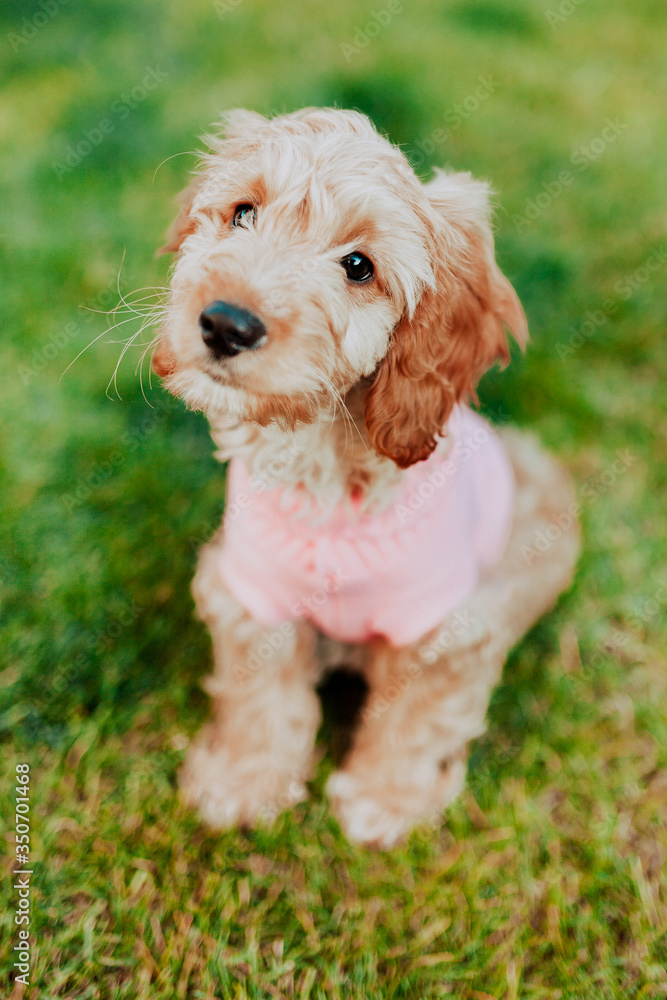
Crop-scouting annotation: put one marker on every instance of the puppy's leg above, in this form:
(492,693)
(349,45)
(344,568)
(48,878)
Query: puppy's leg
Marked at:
(252,760)
(427,702)
(409,756)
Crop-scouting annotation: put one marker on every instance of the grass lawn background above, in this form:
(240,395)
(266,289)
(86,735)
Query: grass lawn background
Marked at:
(546,880)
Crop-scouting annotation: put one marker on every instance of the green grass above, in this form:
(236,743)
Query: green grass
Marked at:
(546,880)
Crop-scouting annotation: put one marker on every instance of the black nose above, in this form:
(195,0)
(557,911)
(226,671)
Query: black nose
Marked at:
(228,330)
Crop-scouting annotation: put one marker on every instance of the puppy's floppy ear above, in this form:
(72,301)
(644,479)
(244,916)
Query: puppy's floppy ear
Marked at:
(437,355)
(183,224)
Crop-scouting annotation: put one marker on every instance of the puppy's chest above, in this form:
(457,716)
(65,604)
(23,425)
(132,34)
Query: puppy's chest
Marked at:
(368,484)
(356,572)
(326,466)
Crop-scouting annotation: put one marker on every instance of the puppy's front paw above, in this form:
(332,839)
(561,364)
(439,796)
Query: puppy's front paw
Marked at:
(375,810)
(234,790)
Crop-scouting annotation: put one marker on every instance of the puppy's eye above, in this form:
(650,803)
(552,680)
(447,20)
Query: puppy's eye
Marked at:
(357,267)
(244,215)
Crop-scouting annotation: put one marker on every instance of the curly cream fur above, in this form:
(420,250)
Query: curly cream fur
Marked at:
(354,384)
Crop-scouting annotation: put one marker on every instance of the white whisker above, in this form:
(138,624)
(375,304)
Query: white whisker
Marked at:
(129,343)
(148,308)
(186,152)
(346,414)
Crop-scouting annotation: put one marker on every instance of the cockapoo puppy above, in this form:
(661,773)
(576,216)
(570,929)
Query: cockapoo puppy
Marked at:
(331,315)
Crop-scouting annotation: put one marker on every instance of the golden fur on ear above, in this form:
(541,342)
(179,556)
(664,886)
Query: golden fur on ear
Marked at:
(437,355)
(183,225)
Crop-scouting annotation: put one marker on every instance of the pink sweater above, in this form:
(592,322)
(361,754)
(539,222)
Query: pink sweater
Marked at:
(394,574)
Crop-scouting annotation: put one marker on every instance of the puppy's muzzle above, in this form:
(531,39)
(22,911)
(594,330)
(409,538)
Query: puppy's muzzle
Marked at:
(227,330)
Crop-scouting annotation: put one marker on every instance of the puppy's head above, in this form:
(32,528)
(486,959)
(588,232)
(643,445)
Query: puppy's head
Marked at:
(310,259)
